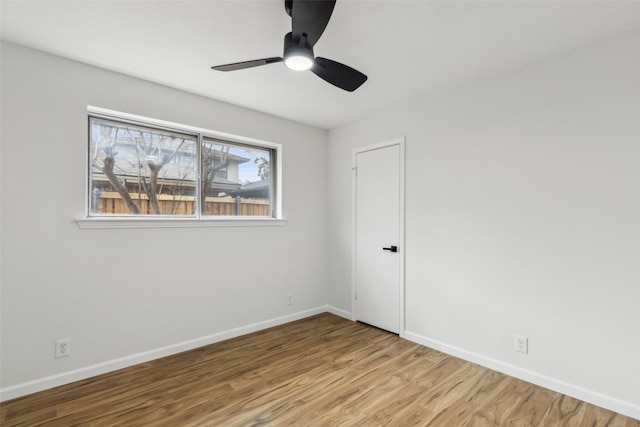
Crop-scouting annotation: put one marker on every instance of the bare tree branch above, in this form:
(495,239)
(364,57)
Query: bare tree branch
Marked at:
(110,134)
(144,151)
(209,169)
(107,169)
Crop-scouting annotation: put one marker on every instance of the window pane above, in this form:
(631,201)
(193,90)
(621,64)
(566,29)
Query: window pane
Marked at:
(140,171)
(236,179)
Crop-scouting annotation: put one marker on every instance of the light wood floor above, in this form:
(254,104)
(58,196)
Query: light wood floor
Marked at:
(320,371)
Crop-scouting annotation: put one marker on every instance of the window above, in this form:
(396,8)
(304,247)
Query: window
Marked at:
(142,167)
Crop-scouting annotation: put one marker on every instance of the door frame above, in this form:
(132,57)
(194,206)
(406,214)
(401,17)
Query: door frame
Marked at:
(400,142)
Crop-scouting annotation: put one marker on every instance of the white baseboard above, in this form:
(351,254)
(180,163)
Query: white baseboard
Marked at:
(40,384)
(339,312)
(599,399)
(628,409)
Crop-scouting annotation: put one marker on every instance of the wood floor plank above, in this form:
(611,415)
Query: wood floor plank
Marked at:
(318,372)
(565,409)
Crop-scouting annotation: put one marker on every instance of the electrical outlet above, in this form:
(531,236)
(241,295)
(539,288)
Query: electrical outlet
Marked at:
(63,347)
(522,344)
(289,299)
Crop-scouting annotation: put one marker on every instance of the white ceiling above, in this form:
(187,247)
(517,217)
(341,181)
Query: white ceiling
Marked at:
(407,48)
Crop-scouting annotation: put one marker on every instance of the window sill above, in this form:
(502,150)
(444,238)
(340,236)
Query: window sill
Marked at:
(103,222)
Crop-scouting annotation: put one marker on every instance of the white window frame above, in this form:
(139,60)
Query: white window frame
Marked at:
(152,221)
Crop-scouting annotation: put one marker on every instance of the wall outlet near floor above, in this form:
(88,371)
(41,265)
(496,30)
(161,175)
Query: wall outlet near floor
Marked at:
(522,344)
(63,347)
(289,299)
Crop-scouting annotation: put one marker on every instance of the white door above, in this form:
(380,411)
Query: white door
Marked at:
(379,253)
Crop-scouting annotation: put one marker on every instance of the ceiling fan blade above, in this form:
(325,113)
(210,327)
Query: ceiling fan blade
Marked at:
(310,17)
(246,64)
(338,74)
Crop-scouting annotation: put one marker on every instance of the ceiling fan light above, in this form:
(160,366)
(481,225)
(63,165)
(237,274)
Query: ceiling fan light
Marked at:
(298,62)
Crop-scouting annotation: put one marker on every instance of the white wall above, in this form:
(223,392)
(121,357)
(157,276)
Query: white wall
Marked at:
(522,217)
(136,294)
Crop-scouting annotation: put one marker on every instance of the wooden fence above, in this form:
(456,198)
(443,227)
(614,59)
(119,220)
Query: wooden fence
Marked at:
(111,203)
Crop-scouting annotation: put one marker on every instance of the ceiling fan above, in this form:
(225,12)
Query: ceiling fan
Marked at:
(309,18)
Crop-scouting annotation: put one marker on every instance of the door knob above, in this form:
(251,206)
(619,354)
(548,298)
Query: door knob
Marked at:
(392,249)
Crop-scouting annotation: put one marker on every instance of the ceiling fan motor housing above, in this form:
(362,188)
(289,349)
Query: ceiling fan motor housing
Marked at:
(298,47)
